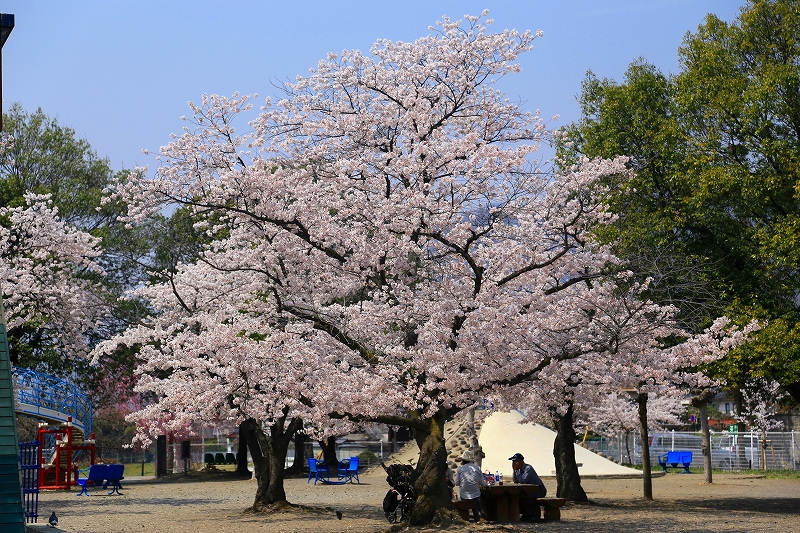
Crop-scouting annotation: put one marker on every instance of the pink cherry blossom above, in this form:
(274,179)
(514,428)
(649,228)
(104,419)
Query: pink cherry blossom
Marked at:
(383,250)
(43,267)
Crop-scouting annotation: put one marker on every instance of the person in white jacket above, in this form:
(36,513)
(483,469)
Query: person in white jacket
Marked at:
(469,479)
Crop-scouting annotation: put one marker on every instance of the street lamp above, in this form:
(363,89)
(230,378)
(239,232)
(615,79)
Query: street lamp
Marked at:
(6,25)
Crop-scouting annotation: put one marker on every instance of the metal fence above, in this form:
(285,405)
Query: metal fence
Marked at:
(774,450)
(29,476)
(376,451)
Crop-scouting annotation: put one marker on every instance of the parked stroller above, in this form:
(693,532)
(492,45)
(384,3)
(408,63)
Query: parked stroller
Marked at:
(399,501)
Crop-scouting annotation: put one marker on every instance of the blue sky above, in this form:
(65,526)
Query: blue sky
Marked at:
(119,72)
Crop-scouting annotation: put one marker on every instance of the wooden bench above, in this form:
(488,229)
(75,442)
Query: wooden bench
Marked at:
(674,459)
(464,509)
(551,506)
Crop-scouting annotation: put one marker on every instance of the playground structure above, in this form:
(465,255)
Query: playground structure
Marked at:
(65,418)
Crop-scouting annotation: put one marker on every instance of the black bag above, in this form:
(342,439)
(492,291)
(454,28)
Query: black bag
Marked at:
(390,501)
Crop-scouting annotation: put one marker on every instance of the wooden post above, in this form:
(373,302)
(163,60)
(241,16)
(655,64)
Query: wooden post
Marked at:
(647,479)
(161,456)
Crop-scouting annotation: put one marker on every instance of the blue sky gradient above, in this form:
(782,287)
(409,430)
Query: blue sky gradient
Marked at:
(120,72)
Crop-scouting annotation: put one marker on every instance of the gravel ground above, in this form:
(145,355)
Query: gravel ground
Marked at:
(210,504)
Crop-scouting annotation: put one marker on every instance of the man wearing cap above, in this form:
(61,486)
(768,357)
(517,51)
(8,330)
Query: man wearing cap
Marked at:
(524,473)
(469,479)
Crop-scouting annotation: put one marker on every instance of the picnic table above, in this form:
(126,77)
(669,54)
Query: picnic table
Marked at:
(501,502)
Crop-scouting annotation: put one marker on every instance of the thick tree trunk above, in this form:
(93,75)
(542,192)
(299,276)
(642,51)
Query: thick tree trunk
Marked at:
(328,447)
(241,459)
(270,474)
(567,476)
(259,451)
(430,484)
(647,479)
(299,463)
(278,446)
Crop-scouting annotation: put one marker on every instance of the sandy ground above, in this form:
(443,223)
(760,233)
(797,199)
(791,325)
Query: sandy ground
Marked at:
(207,504)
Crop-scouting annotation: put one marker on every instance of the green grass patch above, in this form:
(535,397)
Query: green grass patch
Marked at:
(135,469)
(698,469)
(778,474)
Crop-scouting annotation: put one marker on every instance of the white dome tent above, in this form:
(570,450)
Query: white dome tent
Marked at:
(502,435)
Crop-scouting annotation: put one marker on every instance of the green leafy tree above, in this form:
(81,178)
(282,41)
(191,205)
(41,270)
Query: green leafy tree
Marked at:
(716,151)
(47,158)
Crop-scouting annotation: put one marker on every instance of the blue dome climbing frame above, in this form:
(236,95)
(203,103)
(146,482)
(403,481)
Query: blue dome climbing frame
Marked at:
(51,399)
(65,415)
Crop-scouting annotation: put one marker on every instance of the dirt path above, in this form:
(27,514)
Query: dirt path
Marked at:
(683,503)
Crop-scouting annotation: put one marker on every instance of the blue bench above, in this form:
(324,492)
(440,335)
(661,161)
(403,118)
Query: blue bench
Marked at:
(105,475)
(96,476)
(675,459)
(114,476)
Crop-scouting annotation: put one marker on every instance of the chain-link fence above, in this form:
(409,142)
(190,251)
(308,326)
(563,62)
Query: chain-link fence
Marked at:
(774,450)
(370,454)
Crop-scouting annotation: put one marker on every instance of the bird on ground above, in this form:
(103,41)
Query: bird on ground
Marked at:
(338,514)
(53,521)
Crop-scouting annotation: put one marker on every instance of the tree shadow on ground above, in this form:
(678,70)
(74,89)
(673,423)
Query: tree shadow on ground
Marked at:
(715,505)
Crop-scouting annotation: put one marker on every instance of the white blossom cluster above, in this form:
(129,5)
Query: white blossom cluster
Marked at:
(43,274)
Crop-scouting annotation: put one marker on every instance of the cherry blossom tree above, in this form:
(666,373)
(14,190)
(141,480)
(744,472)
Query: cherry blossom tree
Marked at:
(204,358)
(383,247)
(611,413)
(760,400)
(46,270)
(642,350)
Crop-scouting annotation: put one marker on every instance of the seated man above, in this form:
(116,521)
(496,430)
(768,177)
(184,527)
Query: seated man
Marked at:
(524,473)
(469,479)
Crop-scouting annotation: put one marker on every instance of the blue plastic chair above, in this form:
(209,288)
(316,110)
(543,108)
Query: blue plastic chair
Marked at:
(686,460)
(97,473)
(114,476)
(351,470)
(341,469)
(317,469)
(662,461)
(673,458)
